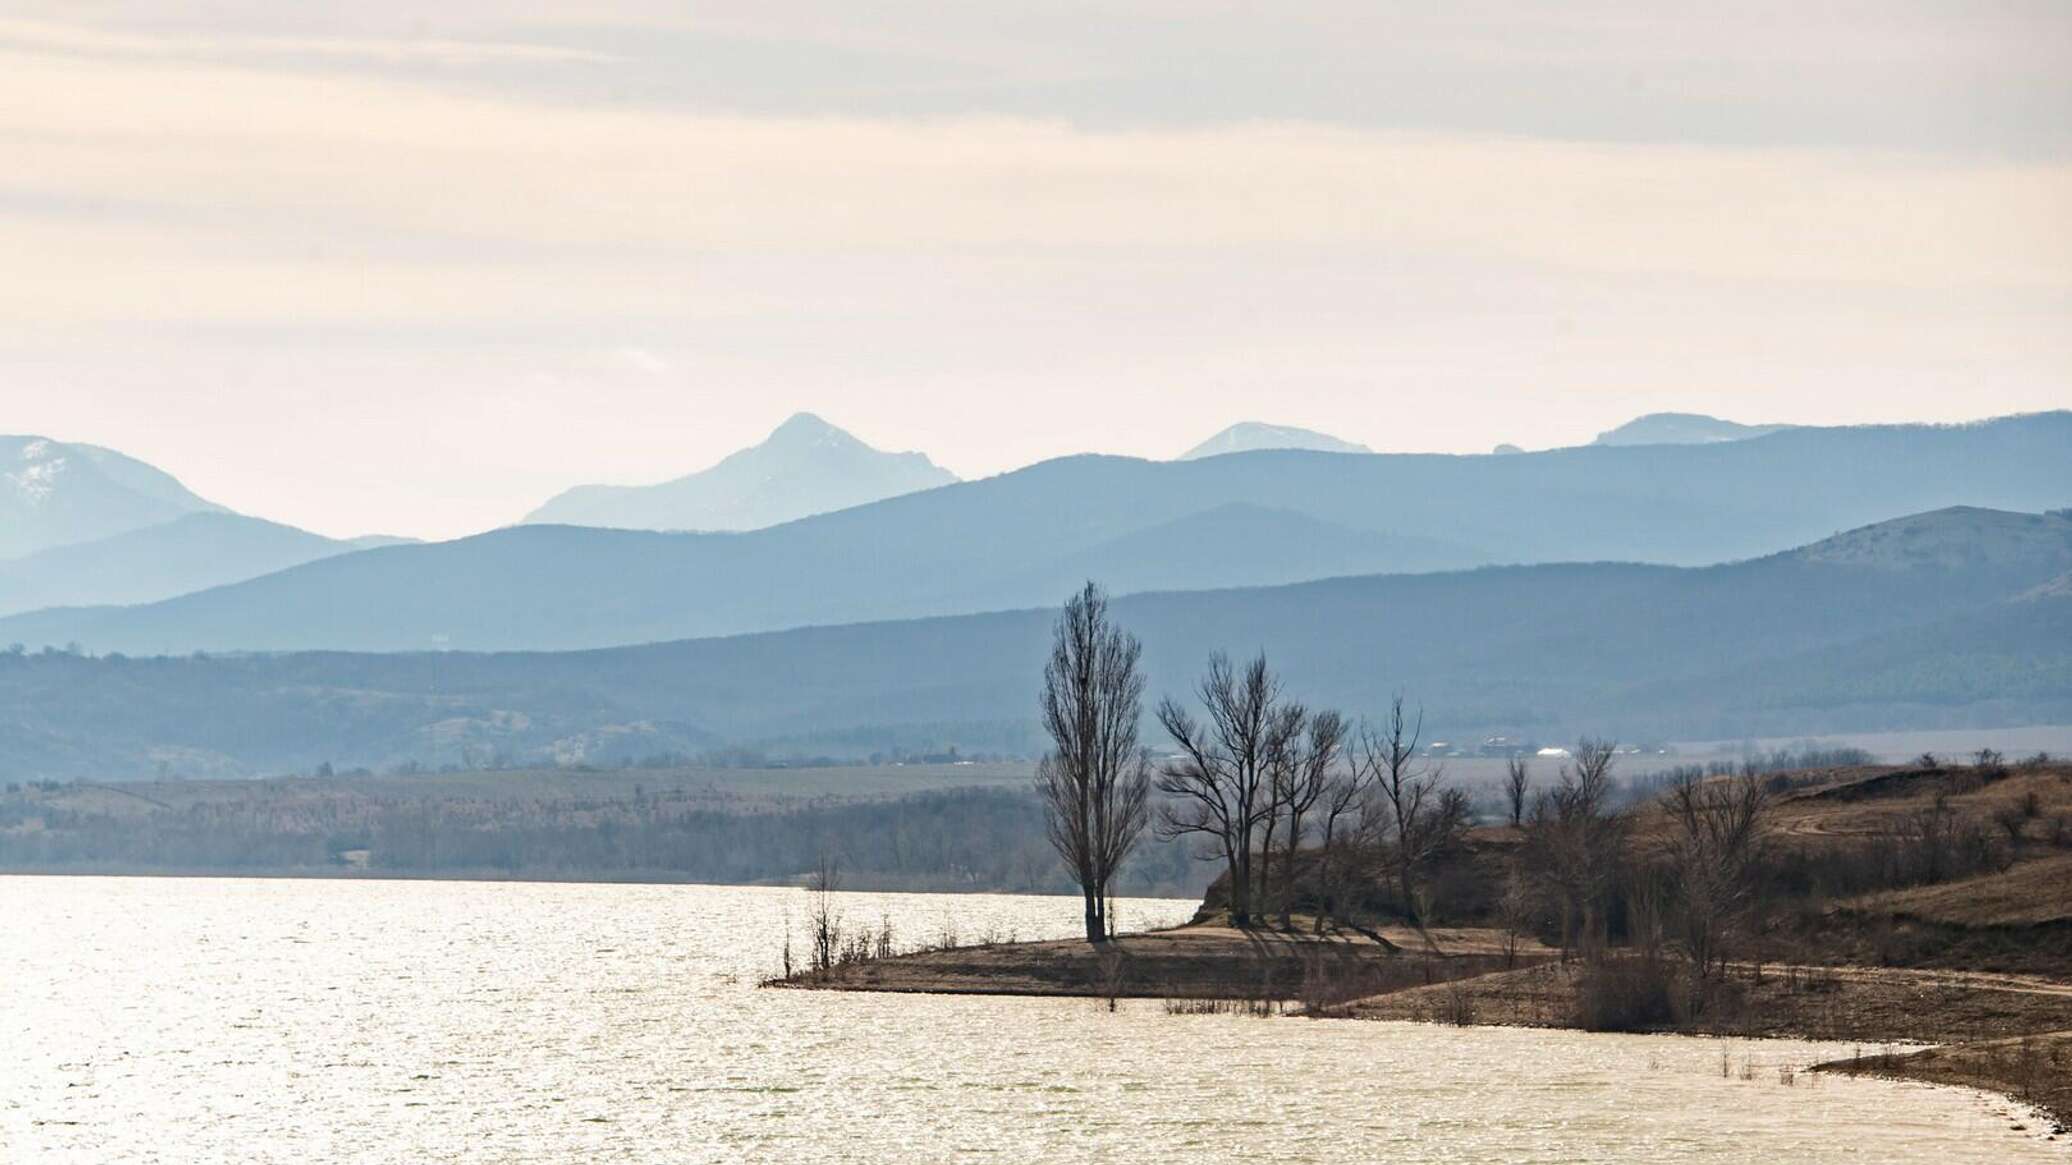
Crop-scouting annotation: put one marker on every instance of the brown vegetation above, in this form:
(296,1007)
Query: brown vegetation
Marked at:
(1864,903)
(1869,1004)
(2034,1069)
(1212,961)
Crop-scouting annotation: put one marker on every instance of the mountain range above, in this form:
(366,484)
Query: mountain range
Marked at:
(1951,618)
(194,552)
(53,493)
(805,467)
(81,526)
(1022,538)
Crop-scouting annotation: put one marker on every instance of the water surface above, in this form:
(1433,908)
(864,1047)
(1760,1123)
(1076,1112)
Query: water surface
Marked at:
(201,1020)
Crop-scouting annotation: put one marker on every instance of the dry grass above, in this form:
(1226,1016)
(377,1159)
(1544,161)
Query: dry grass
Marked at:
(2035,1069)
(1199,962)
(1873,1004)
(2033,893)
(1876,801)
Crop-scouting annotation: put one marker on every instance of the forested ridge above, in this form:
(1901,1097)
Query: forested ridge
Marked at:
(1953,619)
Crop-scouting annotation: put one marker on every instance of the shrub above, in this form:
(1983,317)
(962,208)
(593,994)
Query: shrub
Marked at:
(1458,1006)
(1623,995)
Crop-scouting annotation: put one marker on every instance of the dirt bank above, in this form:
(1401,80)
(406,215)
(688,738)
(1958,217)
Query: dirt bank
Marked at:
(1189,962)
(2035,1069)
(1873,1005)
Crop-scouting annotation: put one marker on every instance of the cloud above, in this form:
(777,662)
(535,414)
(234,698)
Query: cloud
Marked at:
(233,181)
(998,240)
(639,360)
(47,36)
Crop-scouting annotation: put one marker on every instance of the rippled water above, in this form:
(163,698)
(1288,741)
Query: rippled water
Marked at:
(297,1021)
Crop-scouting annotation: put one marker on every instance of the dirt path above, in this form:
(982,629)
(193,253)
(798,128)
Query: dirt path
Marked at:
(1977,980)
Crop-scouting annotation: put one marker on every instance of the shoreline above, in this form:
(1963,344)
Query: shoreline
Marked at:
(2010,1035)
(545,877)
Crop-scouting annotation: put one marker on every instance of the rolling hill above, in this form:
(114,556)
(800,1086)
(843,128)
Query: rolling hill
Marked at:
(1826,638)
(1009,541)
(200,550)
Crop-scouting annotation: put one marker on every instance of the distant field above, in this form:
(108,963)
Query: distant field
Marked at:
(747,786)
(2055,739)
(910,827)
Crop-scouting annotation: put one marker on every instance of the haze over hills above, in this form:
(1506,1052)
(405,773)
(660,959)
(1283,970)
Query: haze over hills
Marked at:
(1009,541)
(1280,545)
(54,494)
(1827,638)
(194,552)
(806,466)
(1682,429)
(1253,436)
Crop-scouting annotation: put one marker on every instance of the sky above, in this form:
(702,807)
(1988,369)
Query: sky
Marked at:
(412,269)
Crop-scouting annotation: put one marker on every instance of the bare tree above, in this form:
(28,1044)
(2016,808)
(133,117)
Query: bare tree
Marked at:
(824,919)
(1590,840)
(1412,815)
(1218,786)
(1648,894)
(1715,850)
(1096,781)
(1577,843)
(1517,786)
(1310,765)
(1283,774)
(1514,914)
(1340,809)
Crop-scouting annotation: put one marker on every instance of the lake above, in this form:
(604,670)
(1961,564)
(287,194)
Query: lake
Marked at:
(204,1020)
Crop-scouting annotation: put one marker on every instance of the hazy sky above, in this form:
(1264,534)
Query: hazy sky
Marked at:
(413,268)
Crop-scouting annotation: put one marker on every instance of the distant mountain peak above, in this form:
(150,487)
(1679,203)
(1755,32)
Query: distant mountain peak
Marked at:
(1682,429)
(809,428)
(805,466)
(1251,436)
(37,468)
(54,493)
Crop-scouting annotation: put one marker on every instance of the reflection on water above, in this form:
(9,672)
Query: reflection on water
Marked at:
(244,1020)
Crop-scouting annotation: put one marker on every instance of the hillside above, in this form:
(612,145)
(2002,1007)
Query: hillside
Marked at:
(1280,546)
(806,466)
(1010,541)
(55,494)
(190,553)
(1792,643)
(1962,538)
